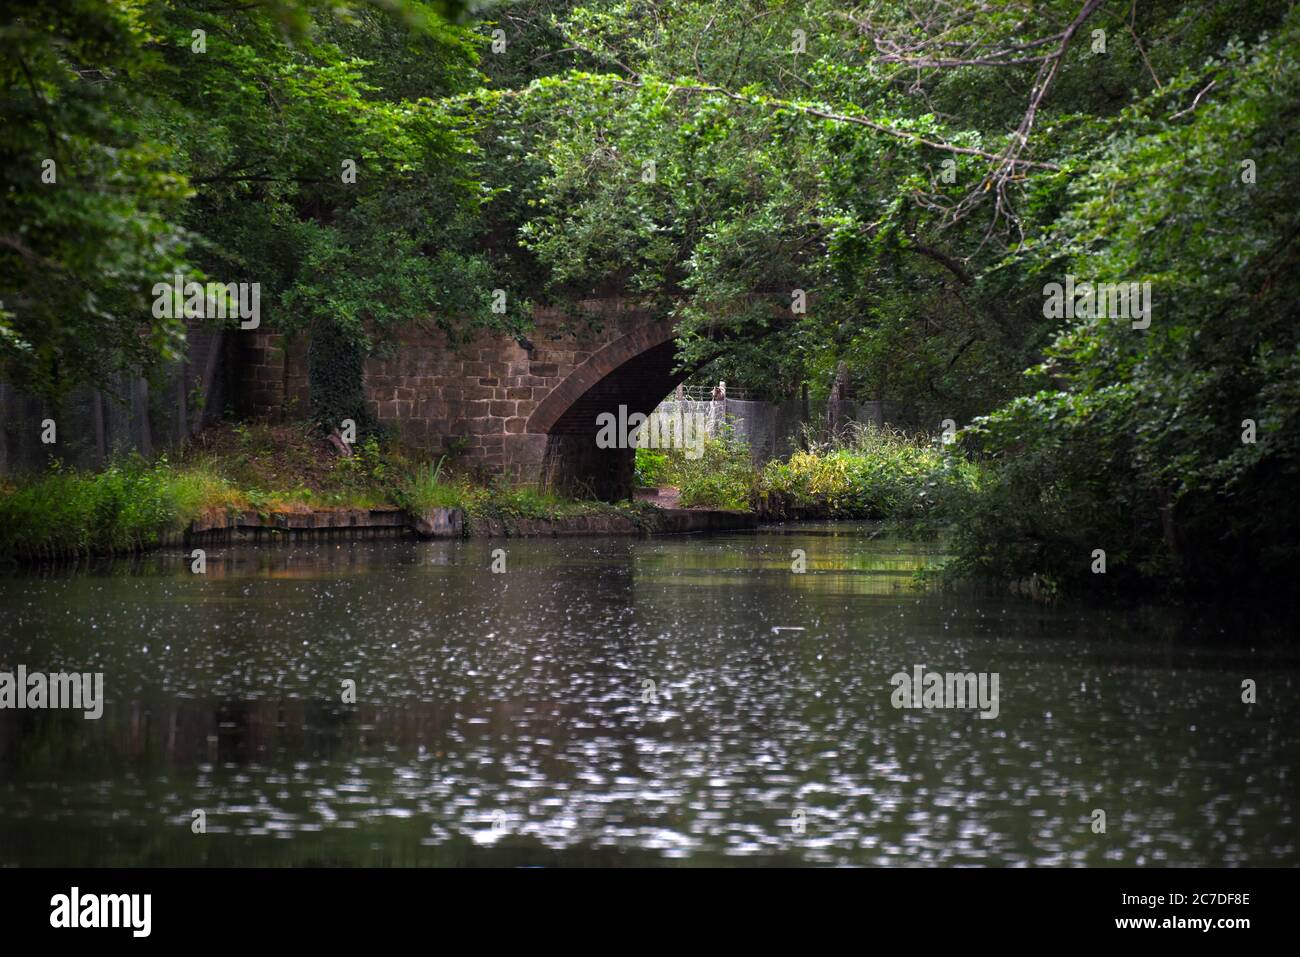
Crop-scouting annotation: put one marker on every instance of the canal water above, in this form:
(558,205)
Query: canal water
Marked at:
(670,701)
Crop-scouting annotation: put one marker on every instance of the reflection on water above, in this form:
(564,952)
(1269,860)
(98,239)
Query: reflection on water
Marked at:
(500,719)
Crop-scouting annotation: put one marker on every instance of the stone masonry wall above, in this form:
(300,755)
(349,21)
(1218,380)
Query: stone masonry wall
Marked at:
(480,395)
(477,396)
(270,378)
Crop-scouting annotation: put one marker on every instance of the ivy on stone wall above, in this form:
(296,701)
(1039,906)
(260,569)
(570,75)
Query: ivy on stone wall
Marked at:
(336,359)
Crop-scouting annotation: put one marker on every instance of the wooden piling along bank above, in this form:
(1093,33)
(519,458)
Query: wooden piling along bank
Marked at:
(251,528)
(223,528)
(352,524)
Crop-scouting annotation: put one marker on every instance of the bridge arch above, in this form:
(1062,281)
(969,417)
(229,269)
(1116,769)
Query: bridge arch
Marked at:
(521,408)
(633,372)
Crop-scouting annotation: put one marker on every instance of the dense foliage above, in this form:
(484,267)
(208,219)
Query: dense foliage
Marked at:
(721,475)
(923,173)
(308,149)
(864,473)
(877,473)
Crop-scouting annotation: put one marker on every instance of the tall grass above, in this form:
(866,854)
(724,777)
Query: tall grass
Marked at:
(651,468)
(424,488)
(129,506)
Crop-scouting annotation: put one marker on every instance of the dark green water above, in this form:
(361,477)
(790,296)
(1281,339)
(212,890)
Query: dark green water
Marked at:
(499,718)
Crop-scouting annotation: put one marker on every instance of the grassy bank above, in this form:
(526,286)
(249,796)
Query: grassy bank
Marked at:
(129,506)
(134,504)
(721,477)
(427,487)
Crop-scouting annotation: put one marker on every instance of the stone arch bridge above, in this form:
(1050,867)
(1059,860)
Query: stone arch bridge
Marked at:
(525,411)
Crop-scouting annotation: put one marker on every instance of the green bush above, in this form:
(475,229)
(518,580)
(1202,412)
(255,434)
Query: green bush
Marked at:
(876,473)
(723,476)
(651,468)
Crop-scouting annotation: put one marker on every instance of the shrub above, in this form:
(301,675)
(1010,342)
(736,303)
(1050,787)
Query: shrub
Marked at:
(876,473)
(651,468)
(722,477)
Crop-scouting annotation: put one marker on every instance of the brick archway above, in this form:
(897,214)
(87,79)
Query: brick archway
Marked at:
(630,368)
(523,409)
(633,373)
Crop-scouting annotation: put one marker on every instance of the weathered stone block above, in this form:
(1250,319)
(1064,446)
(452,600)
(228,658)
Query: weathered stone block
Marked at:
(439,523)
